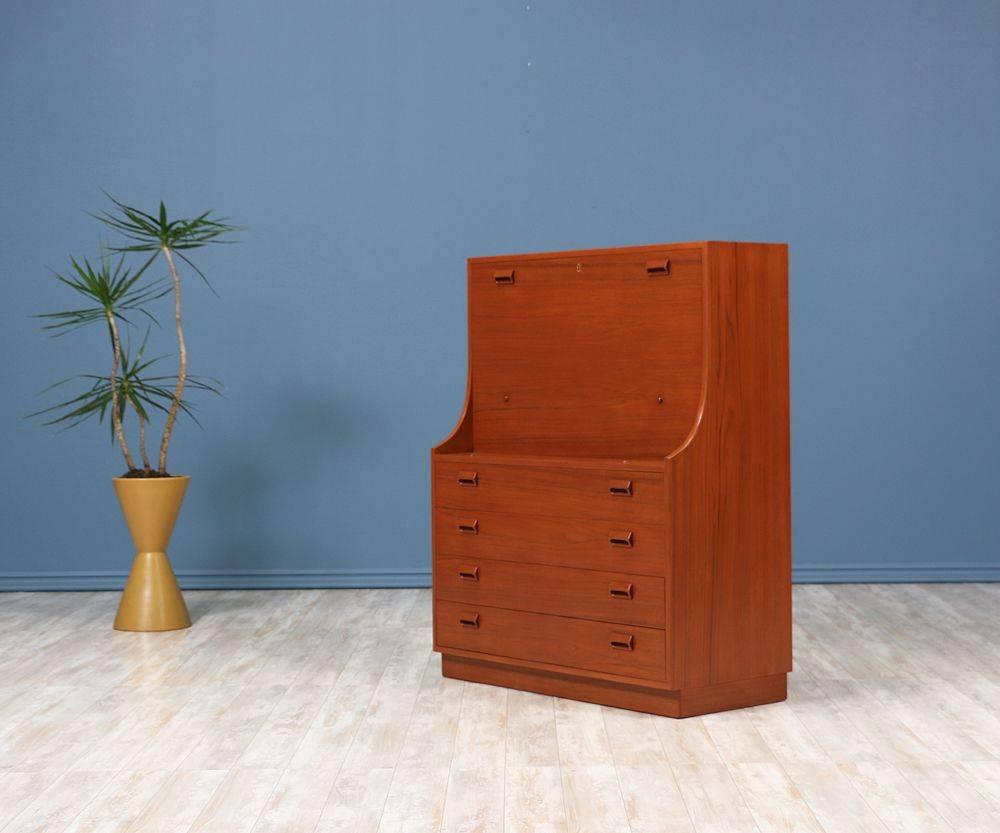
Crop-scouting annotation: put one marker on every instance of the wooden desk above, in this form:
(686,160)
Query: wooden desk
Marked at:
(611,515)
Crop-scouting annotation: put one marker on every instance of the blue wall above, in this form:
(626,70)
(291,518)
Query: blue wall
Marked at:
(371,146)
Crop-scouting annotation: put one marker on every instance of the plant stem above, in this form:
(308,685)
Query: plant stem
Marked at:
(142,443)
(116,420)
(168,428)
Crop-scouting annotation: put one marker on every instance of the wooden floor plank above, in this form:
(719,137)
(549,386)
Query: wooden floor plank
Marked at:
(415,802)
(531,730)
(954,798)
(238,802)
(653,802)
(833,800)
(593,799)
(775,803)
(356,802)
(179,802)
(296,803)
(894,799)
(54,809)
(123,799)
(475,793)
(533,800)
(713,800)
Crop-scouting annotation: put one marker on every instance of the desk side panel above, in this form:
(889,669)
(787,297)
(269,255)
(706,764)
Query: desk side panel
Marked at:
(729,488)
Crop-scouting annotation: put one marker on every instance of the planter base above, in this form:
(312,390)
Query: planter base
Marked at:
(152,600)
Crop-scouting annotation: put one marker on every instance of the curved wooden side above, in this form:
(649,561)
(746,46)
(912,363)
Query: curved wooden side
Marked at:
(460,439)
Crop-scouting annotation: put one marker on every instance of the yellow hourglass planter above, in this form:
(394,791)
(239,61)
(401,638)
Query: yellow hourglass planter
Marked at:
(152,600)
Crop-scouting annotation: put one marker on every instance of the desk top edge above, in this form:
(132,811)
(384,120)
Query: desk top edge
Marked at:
(611,250)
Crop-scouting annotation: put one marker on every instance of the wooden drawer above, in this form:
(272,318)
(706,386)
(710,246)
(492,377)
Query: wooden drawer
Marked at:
(618,496)
(586,594)
(564,542)
(538,637)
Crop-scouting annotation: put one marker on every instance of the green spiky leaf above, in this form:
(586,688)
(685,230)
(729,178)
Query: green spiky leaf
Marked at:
(112,288)
(137,388)
(148,233)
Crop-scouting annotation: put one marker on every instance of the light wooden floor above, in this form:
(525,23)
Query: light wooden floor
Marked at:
(322,711)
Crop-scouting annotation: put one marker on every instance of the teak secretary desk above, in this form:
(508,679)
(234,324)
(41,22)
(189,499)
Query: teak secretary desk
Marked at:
(611,516)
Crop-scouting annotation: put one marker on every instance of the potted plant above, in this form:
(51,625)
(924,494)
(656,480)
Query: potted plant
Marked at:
(116,297)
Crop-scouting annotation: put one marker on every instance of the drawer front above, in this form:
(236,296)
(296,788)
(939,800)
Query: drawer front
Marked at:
(564,542)
(574,643)
(616,496)
(587,594)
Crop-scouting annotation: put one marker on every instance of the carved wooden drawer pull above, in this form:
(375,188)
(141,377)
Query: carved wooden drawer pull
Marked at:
(621,487)
(468,573)
(468,478)
(620,538)
(622,641)
(658,267)
(470,620)
(469,526)
(621,589)
(504,276)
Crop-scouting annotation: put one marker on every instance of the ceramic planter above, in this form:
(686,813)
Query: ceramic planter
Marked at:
(152,600)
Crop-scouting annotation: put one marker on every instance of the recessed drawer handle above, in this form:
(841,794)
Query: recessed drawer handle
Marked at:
(622,641)
(658,267)
(504,276)
(468,478)
(471,620)
(621,590)
(620,538)
(468,573)
(469,527)
(621,487)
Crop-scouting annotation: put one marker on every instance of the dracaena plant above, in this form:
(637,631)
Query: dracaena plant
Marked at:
(116,297)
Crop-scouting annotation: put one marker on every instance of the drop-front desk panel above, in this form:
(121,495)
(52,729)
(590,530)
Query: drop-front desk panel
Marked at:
(611,515)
